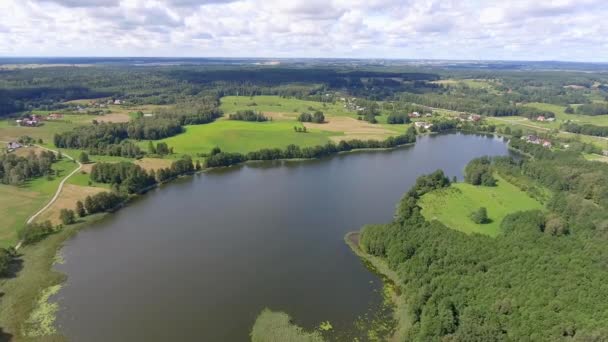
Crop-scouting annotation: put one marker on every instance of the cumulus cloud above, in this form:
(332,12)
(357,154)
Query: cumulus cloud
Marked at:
(458,29)
(85,3)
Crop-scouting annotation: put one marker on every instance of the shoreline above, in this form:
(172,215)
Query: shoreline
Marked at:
(391,286)
(43,255)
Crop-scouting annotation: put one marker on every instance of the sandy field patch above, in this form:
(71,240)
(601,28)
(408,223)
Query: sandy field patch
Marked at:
(86,168)
(153,163)
(280,115)
(25,151)
(67,200)
(352,129)
(113,117)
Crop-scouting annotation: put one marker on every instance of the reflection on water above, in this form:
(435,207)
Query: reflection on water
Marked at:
(198,259)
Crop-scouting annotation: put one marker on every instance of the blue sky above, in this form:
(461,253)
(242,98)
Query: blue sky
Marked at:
(570,30)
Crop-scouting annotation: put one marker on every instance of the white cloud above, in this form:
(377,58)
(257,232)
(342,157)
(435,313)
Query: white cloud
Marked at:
(458,29)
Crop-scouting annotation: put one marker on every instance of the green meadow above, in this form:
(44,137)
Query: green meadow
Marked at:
(453,205)
(277,104)
(242,136)
(599,120)
(17,204)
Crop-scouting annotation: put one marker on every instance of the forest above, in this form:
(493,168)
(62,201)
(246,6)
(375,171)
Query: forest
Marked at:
(524,284)
(15,170)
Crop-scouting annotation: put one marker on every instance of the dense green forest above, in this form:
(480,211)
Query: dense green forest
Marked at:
(15,169)
(543,279)
(185,86)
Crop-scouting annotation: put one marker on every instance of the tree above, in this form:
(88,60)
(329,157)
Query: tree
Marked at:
(5,260)
(67,216)
(59,155)
(83,157)
(318,117)
(215,150)
(480,216)
(569,110)
(151,148)
(80,209)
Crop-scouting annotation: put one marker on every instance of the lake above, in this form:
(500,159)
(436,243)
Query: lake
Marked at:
(198,259)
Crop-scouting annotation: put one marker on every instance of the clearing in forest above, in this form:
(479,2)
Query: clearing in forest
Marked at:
(452,206)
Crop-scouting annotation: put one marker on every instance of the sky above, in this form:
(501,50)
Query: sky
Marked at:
(567,30)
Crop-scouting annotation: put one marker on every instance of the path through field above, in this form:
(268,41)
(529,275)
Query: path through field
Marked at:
(59,188)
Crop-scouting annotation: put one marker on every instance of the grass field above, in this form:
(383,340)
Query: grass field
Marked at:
(17,204)
(67,199)
(560,114)
(452,206)
(10,131)
(240,136)
(471,83)
(277,104)
(596,157)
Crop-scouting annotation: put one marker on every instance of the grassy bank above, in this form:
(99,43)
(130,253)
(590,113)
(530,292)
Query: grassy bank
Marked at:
(273,326)
(391,290)
(26,314)
(18,203)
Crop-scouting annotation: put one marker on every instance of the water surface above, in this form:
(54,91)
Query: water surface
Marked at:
(198,259)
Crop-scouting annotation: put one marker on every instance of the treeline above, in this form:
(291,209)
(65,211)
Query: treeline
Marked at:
(464,287)
(586,129)
(479,172)
(592,109)
(489,106)
(248,115)
(114,138)
(316,117)
(217,158)
(103,134)
(395,119)
(102,202)
(15,170)
(124,176)
(129,178)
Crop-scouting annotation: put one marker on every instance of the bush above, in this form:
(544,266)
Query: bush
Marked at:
(67,216)
(35,232)
(480,216)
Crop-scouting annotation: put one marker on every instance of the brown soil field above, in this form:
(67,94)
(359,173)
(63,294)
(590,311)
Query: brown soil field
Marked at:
(113,117)
(352,128)
(86,168)
(25,151)
(280,115)
(67,200)
(153,163)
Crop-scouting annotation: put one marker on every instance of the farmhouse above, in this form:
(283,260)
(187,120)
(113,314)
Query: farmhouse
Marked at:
(533,139)
(422,124)
(30,122)
(474,117)
(414,115)
(13,145)
(117,102)
(541,118)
